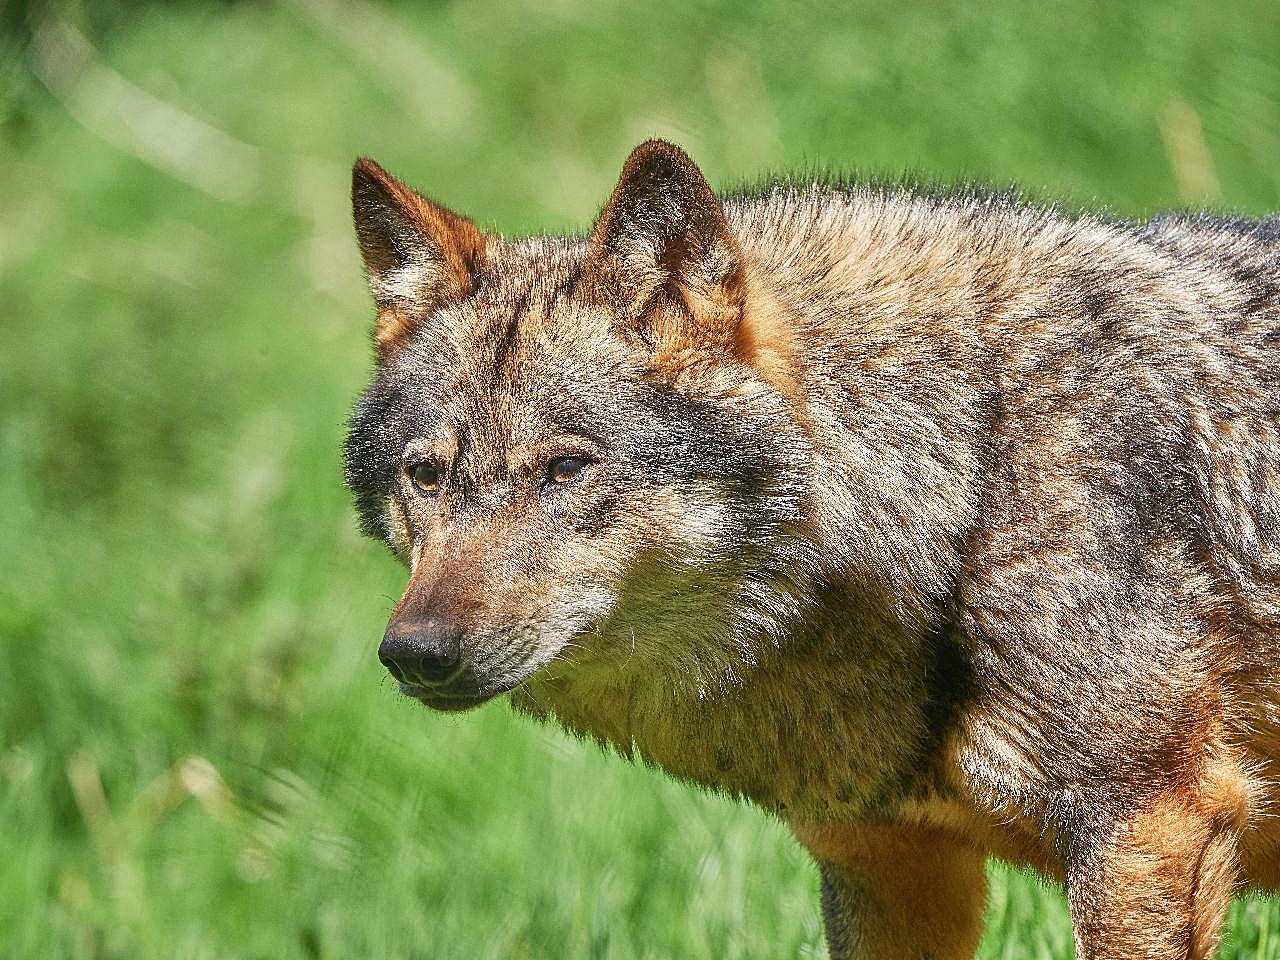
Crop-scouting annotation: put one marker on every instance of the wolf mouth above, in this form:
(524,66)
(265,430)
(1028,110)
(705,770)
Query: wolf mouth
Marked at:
(450,702)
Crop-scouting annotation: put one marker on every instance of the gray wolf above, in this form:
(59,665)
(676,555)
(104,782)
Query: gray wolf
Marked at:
(937,523)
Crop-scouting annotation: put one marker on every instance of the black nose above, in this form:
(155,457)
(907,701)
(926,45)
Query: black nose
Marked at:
(423,652)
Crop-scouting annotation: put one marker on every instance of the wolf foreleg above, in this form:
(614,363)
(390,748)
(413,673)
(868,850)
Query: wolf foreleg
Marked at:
(894,892)
(1157,884)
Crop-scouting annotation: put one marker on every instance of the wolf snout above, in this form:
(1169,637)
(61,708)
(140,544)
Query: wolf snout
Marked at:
(422,652)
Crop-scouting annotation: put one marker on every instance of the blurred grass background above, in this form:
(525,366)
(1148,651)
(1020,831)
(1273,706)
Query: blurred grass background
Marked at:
(200,756)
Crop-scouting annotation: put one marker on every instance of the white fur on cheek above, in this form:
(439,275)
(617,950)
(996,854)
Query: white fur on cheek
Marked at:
(694,524)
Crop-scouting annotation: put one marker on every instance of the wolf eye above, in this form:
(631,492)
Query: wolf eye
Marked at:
(425,477)
(565,469)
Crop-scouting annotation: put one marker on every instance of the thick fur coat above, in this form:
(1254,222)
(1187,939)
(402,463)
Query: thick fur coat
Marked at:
(940,525)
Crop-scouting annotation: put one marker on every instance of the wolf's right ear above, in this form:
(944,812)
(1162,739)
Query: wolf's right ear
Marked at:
(418,254)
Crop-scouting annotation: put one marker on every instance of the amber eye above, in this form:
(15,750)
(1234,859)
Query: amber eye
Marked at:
(565,469)
(425,477)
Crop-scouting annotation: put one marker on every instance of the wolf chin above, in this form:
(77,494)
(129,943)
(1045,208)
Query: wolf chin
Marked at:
(939,524)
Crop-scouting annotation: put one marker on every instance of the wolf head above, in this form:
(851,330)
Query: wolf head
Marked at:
(582,448)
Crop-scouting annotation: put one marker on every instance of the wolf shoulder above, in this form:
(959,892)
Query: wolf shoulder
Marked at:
(1103,383)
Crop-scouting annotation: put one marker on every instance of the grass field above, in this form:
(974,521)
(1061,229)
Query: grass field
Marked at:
(200,755)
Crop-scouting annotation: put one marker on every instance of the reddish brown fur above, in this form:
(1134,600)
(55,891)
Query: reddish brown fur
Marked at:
(1161,884)
(873,870)
(457,242)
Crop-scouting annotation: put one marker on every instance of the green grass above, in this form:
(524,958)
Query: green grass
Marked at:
(200,756)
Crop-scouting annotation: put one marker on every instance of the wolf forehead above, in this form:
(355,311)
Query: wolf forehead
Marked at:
(525,302)
(522,339)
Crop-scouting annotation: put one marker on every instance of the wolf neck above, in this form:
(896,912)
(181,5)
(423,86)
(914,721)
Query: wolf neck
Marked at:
(803,732)
(886,312)
(878,315)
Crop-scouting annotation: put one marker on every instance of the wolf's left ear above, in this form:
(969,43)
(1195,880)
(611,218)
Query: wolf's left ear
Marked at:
(663,251)
(418,254)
